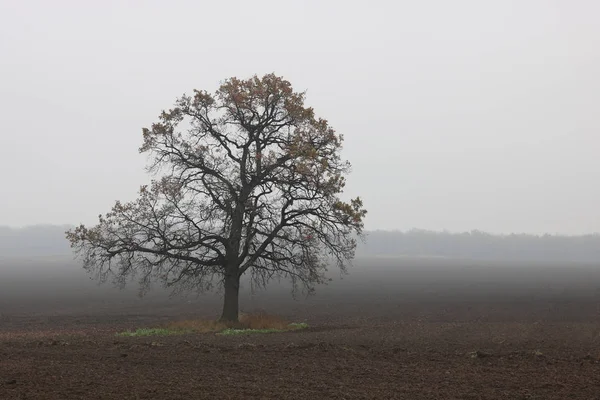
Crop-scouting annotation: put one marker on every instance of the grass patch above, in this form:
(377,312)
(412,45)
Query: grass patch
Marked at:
(232,331)
(152,332)
(300,325)
(288,327)
(248,323)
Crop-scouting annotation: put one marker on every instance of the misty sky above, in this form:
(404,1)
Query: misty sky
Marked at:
(457,115)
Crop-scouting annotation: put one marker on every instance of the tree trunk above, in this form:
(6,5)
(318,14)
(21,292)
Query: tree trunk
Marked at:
(231,300)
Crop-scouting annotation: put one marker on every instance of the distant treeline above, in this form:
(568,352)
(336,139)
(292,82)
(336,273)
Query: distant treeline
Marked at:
(34,241)
(481,245)
(49,240)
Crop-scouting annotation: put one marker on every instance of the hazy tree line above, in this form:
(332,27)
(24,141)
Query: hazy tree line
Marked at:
(34,241)
(482,245)
(50,241)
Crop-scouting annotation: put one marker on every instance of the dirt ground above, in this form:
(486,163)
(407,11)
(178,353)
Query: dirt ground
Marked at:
(393,329)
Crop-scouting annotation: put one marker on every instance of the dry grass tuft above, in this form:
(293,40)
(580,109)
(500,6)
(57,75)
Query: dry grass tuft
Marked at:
(263,321)
(247,321)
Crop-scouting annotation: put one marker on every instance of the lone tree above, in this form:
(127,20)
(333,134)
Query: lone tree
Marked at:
(247,180)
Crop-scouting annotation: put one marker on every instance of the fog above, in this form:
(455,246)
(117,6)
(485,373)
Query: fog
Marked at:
(37,260)
(60,287)
(456,115)
(40,277)
(472,121)
(47,243)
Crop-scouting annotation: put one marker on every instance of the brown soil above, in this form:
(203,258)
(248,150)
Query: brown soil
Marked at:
(414,335)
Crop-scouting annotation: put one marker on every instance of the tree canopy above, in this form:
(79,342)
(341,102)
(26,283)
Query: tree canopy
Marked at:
(247,180)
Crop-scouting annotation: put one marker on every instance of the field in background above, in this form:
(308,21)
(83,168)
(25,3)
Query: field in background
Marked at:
(394,328)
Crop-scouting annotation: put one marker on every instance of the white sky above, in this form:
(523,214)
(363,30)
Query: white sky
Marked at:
(457,114)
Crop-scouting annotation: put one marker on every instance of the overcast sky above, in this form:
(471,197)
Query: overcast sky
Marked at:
(457,115)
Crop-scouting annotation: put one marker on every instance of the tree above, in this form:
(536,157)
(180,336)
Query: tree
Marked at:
(247,180)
